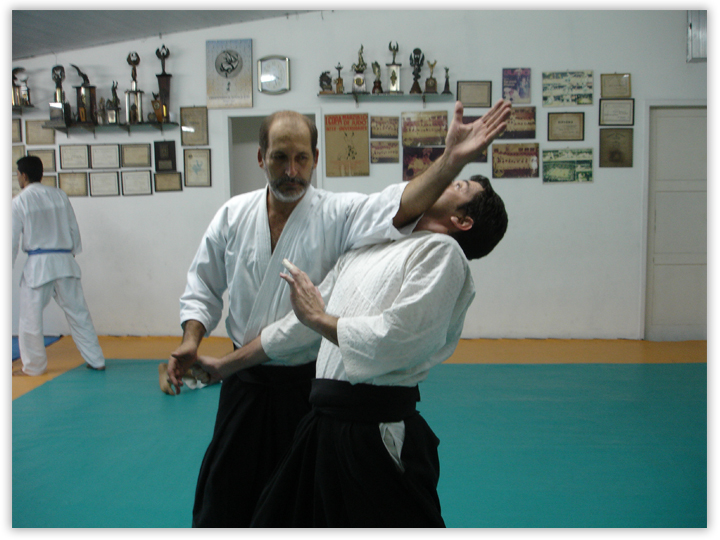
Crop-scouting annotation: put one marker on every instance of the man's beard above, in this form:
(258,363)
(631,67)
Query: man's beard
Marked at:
(277,183)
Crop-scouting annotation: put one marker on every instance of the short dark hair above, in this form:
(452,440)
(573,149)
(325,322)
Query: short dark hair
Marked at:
(32,166)
(490,221)
(264,136)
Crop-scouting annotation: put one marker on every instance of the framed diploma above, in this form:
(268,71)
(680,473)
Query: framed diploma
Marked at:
(16,130)
(74,156)
(165,156)
(616,147)
(135,155)
(136,183)
(193,126)
(168,181)
(566,126)
(47,156)
(35,133)
(475,93)
(16,189)
(105,156)
(18,151)
(49,180)
(73,183)
(615,85)
(197,167)
(617,112)
(104,184)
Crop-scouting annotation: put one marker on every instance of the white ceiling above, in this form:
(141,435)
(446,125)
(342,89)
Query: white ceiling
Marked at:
(39,32)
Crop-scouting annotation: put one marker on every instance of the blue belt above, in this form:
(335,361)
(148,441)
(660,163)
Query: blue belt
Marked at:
(41,251)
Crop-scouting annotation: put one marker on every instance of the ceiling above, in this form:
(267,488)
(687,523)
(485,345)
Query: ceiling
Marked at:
(40,32)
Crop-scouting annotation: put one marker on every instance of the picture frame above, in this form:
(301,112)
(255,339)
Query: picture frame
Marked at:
(104,184)
(168,181)
(475,93)
(617,112)
(229,73)
(193,126)
(616,147)
(104,156)
(47,156)
(567,88)
(74,156)
(16,130)
(36,134)
(74,184)
(197,167)
(18,151)
(615,85)
(165,156)
(49,180)
(566,126)
(135,155)
(136,183)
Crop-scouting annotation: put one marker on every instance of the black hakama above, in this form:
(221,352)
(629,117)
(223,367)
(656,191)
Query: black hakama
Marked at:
(339,473)
(258,412)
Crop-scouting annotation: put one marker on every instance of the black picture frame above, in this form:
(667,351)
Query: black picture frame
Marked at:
(165,156)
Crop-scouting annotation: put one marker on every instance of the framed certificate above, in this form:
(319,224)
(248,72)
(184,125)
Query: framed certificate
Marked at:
(18,151)
(616,147)
(136,183)
(617,112)
(104,184)
(193,126)
(136,155)
(566,126)
(73,183)
(475,93)
(168,181)
(49,180)
(615,85)
(47,156)
(165,156)
(105,156)
(74,156)
(16,130)
(197,167)
(35,133)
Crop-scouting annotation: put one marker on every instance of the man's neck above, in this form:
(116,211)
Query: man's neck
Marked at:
(278,215)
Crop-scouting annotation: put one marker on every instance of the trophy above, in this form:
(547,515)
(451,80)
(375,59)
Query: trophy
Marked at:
(359,78)
(326,83)
(394,70)
(431,83)
(417,59)
(446,90)
(133,97)
(377,86)
(339,88)
(163,105)
(59,109)
(101,114)
(86,104)
(112,106)
(20,90)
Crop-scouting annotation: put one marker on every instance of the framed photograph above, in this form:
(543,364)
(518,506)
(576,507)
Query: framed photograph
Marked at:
(475,93)
(165,156)
(16,130)
(104,184)
(569,165)
(47,156)
(617,112)
(229,73)
(193,126)
(521,124)
(36,134)
(516,85)
(136,183)
(168,181)
(424,128)
(197,167)
(73,183)
(384,127)
(74,156)
(565,88)
(566,126)
(135,155)
(384,152)
(516,160)
(105,156)
(615,85)
(616,147)
(18,151)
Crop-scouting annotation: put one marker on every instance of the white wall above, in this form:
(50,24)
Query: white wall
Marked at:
(571,264)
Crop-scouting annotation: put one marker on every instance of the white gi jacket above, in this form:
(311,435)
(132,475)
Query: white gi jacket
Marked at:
(401,308)
(44,218)
(235,253)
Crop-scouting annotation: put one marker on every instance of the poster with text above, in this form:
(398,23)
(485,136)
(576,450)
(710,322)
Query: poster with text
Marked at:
(347,149)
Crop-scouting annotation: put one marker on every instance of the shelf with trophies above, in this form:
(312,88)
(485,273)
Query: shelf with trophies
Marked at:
(336,89)
(20,91)
(105,115)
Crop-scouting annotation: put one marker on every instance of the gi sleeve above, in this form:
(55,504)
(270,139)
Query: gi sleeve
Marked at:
(424,318)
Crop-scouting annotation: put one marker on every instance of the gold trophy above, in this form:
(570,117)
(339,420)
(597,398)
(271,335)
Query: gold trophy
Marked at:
(394,71)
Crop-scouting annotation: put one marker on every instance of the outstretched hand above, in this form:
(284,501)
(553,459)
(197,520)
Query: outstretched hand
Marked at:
(305,297)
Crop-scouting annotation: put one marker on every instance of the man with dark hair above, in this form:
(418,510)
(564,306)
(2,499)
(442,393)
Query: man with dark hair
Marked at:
(42,215)
(364,457)
(242,252)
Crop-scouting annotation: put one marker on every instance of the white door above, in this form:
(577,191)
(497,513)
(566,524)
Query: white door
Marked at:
(676,306)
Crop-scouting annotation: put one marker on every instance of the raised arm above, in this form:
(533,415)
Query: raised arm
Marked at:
(463,144)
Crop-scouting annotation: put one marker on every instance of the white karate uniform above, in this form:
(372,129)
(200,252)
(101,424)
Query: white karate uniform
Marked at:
(401,310)
(235,253)
(45,220)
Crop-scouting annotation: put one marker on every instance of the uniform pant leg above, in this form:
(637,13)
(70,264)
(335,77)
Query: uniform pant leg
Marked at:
(30,328)
(69,296)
